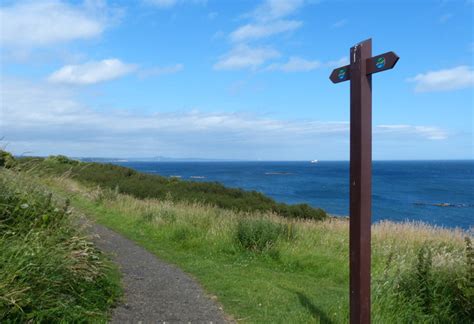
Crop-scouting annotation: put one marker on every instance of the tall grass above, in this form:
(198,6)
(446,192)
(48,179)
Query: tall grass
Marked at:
(256,262)
(260,234)
(433,284)
(49,272)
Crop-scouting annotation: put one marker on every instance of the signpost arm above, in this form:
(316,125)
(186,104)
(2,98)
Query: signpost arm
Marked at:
(360,182)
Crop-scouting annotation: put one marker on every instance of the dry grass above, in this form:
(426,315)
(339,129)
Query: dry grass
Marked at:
(220,222)
(417,233)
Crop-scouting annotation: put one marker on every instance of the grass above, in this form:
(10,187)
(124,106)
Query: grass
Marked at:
(265,268)
(140,185)
(49,272)
(265,264)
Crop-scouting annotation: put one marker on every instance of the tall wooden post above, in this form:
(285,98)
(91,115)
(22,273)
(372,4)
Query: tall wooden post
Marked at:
(360,210)
(359,72)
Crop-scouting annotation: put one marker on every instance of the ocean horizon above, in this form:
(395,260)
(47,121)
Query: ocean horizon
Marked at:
(437,192)
(217,160)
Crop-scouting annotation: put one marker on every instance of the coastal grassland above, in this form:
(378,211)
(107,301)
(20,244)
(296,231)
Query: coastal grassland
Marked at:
(49,272)
(141,185)
(265,268)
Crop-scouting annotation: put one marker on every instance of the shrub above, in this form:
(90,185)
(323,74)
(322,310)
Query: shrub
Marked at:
(23,210)
(7,160)
(61,159)
(260,234)
(304,211)
(142,185)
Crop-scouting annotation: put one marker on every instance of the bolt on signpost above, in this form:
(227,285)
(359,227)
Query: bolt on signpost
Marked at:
(359,72)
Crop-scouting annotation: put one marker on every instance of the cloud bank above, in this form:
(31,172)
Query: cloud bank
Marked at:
(47,119)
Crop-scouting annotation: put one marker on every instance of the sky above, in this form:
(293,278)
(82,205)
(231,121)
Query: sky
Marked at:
(228,79)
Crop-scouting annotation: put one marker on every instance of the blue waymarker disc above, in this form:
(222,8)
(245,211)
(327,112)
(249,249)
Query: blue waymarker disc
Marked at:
(380,63)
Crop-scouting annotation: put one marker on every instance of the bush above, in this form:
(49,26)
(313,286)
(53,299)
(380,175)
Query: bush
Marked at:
(260,234)
(7,160)
(301,211)
(61,159)
(23,210)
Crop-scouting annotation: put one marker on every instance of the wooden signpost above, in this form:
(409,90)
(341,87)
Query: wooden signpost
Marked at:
(359,72)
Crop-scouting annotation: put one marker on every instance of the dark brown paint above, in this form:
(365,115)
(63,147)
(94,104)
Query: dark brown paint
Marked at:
(390,60)
(360,209)
(362,66)
(334,77)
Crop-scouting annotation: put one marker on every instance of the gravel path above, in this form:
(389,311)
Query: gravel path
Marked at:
(155,292)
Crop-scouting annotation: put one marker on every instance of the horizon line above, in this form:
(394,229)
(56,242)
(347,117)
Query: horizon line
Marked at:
(194,159)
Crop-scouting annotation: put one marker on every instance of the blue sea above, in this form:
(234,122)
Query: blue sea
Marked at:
(435,192)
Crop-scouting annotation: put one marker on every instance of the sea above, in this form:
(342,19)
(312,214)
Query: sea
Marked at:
(436,192)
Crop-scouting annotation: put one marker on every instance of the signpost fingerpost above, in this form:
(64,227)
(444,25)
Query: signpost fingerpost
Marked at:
(359,72)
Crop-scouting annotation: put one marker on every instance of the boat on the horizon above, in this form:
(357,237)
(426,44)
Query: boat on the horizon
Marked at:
(314,161)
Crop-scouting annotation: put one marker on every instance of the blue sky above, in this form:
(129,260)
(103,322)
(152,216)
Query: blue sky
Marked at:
(232,79)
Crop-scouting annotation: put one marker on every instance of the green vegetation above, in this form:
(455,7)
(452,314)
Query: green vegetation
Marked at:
(268,269)
(140,185)
(265,268)
(48,271)
(434,286)
(6,160)
(259,234)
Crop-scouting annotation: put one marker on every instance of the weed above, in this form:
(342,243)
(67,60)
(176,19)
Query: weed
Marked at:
(261,234)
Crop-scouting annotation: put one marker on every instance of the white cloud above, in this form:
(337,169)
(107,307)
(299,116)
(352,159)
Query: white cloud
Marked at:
(268,19)
(339,23)
(337,63)
(244,57)
(298,64)
(91,72)
(256,31)
(295,64)
(162,3)
(212,15)
(276,9)
(33,115)
(165,4)
(160,70)
(459,77)
(444,18)
(429,132)
(40,23)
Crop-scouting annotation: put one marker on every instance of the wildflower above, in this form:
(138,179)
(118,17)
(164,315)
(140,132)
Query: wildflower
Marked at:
(24,206)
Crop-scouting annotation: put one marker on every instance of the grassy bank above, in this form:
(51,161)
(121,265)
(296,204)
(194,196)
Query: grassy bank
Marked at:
(265,268)
(48,271)
(140,185)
